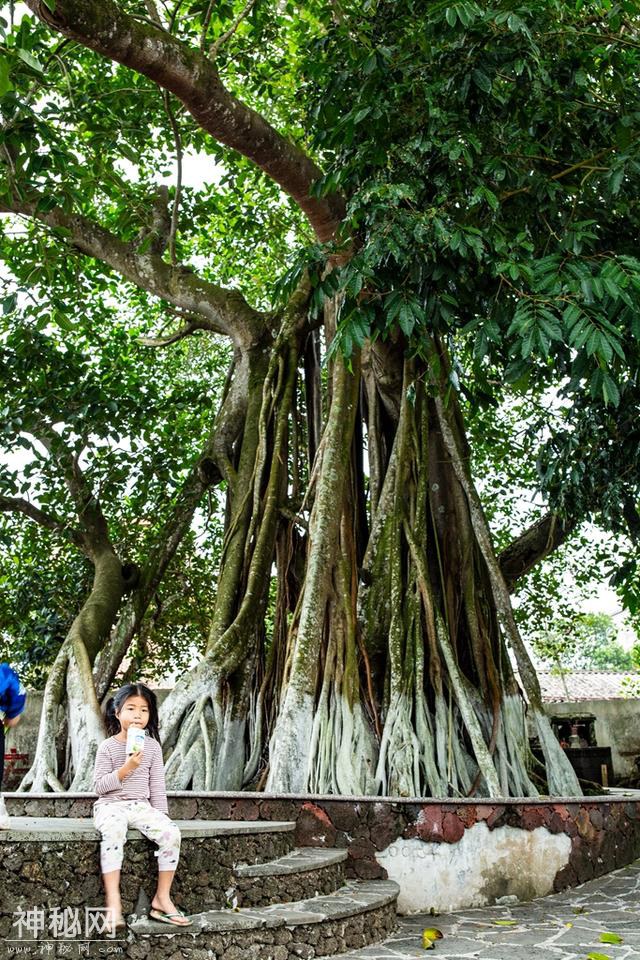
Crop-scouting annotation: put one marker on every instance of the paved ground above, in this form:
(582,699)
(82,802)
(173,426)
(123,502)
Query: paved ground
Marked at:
(564,926)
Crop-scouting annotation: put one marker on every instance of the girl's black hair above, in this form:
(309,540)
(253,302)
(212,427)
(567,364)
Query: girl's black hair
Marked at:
(116,702)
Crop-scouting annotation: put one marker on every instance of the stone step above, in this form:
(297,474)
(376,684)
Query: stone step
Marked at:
(37,829)
(305,872)
(298,861)
(358,914)
(35,856)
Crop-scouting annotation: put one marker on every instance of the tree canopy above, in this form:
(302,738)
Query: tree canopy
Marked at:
(265,416)
(590,642)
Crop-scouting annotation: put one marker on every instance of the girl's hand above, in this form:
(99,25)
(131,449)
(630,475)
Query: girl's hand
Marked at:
(131,763)
(135,759)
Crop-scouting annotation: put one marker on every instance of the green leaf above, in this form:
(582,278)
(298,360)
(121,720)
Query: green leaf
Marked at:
(406,320)
(481,80)
(9,303)
(30,60)
(610,938)
(598,956)
(515,24)
(615,180)
(5,83)
(46,203)
(611,395)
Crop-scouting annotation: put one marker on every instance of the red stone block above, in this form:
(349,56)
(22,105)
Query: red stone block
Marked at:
(534,817)
(557,824)
(429,824)
(452,828)
(345,815)
(362,849)
(314,827)
(385,833)
(214,808)
(278,809)
(468,814)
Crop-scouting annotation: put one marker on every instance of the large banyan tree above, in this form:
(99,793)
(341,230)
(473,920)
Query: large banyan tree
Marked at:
(403,211)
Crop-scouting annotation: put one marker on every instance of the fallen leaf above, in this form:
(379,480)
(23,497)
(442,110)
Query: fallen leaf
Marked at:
(610,938)
(505,923)
(579,910)
(598,956)
(568,925)
(429,937)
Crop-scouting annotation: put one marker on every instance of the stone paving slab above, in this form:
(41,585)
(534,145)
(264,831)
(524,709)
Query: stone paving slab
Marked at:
(356,897)
(37,829)
(549,928)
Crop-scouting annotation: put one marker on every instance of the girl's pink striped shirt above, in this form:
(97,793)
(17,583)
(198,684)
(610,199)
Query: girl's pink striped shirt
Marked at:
(145,783)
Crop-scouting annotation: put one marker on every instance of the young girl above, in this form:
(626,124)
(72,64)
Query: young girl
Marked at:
(131,793)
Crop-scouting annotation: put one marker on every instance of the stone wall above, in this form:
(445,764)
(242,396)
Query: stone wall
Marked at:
(444,854)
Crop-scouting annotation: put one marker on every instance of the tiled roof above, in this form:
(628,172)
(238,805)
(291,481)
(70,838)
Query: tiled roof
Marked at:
(581,685)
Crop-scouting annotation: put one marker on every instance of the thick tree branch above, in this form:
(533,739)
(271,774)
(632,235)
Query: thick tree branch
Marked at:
(94,530)
(186,72)
(537,542)
(222,311)
(180,334)
(19,505)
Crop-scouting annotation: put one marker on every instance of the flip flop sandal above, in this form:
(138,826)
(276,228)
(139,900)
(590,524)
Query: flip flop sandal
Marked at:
(169,918)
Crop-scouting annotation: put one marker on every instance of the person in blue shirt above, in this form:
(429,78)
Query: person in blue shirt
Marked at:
(12,700)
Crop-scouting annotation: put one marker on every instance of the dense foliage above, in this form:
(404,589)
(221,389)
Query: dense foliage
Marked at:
(210,207)
(587,642)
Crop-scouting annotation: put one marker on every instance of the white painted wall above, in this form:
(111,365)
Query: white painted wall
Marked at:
(481,867)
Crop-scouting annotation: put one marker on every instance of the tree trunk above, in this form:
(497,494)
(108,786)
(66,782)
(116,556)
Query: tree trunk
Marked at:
(416,695)
(70,681)
(290,757)
(209,738)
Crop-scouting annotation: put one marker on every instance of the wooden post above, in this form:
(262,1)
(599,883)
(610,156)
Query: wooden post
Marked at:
(604,775)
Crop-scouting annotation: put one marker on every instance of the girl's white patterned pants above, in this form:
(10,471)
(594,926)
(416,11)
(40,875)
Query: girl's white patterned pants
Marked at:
(112,820)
